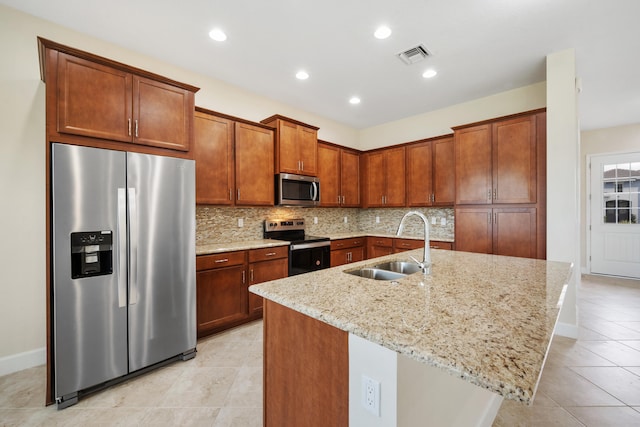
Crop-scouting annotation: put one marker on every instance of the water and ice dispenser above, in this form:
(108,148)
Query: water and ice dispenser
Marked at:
(91,254)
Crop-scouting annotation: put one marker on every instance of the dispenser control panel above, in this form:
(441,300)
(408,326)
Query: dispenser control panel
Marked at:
(91,253)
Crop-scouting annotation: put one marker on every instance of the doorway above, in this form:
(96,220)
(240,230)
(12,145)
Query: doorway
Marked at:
(614,214)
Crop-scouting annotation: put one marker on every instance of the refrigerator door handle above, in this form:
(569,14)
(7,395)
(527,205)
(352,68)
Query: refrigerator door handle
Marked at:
(122,248)
(133,247)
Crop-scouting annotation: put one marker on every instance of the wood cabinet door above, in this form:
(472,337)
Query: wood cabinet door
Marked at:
(288,157)
(329,174)
(473,165)
(419,174)
(444,172)
(350,178)
(340,257)
(254,165)
(375,186)
(514,232)
(213,153)
(221,297)
(515,161)
(263,272)
(94,100)
(395,177)
(474,230)
(162,114)
(307,141)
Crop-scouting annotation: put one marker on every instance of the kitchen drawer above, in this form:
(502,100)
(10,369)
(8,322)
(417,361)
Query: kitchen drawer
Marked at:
(264,254)
(208,262)
(386,242)
(347,243)
(407,244)
(435,244)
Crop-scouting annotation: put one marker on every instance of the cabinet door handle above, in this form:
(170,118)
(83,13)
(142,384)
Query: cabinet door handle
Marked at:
(495,194)
(489,194)
(136,128)
(238,194)
(302,163)
(129,125)
(222,260)
(230,194)
(495,218)
(251,275)
(489,217)
(244,277)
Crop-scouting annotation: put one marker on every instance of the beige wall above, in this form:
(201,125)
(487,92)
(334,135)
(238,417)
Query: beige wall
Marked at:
(621,139)
(22,162)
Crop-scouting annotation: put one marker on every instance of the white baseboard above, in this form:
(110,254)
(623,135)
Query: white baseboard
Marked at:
(20,361)
(566,330)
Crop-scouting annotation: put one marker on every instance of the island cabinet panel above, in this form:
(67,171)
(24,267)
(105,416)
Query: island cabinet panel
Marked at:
(296,145)
(384,178)
(301,388)
(379,246)
(339,174)
(221,288)
(98,101)
(500,231)
(346,251)
(213,151)
(431,173)
(264,265)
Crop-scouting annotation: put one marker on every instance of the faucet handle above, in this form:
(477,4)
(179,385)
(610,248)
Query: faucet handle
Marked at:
(420,264)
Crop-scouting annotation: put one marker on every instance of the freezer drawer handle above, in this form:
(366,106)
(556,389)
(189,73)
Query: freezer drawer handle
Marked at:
(133,247)
(122,248)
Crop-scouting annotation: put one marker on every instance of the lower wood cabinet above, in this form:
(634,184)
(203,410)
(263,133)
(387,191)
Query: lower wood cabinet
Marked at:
(379,246)
(346,251)
(222,283)
(264,265)
(500,231)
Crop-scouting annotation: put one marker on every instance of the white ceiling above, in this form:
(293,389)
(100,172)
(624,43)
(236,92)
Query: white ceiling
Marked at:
(480,47)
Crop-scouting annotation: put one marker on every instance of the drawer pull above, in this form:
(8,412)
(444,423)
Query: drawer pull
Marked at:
(270,254)
(222,260)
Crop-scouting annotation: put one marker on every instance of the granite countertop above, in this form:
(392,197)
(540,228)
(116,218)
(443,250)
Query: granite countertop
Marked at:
(350,235)
(487,319)
(214,248)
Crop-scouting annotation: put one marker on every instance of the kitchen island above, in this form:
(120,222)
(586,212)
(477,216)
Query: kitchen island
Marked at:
(446,348)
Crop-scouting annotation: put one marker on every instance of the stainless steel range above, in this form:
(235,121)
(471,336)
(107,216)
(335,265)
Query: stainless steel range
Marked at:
(306,253)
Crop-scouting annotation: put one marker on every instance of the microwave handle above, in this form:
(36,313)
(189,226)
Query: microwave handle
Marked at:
(314,191)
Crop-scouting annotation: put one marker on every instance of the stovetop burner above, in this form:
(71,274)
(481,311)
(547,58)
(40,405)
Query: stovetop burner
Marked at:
(291,230)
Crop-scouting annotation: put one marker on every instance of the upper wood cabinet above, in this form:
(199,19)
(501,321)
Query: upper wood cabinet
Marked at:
(214,154)
(234,161)
(384,173)
(296,145)
(496,163)
(93,97)
(339,174)
(431,173)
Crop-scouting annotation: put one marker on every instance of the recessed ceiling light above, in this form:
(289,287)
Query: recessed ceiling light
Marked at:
(218,35)
(302,75)
(354,100)
(382,32)
(429,73)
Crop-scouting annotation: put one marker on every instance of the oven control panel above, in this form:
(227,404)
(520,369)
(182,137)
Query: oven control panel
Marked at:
(283,224)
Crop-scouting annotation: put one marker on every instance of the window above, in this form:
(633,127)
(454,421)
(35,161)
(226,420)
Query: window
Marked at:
(621,193)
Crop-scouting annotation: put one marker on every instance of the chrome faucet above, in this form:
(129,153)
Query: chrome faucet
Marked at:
(425,265)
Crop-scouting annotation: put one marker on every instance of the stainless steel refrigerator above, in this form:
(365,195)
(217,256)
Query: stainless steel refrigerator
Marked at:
(123,263)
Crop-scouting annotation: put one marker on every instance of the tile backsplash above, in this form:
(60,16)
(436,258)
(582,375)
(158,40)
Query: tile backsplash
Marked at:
(215,224)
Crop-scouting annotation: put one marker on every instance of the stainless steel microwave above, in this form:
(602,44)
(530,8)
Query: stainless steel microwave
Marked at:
(297,190)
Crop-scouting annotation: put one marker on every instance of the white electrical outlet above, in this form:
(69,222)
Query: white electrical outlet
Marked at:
(315,219)
(377,220)
(443,221)
(433,220)
(346,220)
(240,222)
(371,395)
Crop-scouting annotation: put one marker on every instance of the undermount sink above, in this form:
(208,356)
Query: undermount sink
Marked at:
(392,270)
(376,273)
(404,267)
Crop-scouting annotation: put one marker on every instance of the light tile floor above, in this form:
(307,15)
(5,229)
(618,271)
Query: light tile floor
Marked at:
(592,381)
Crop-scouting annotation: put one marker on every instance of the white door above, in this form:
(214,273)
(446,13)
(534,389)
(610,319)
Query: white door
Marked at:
(614,214)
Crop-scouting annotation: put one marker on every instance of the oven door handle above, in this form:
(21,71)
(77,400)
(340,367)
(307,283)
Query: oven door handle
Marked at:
(298,246)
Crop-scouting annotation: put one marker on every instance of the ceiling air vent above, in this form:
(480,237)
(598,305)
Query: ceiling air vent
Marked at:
(413,55)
